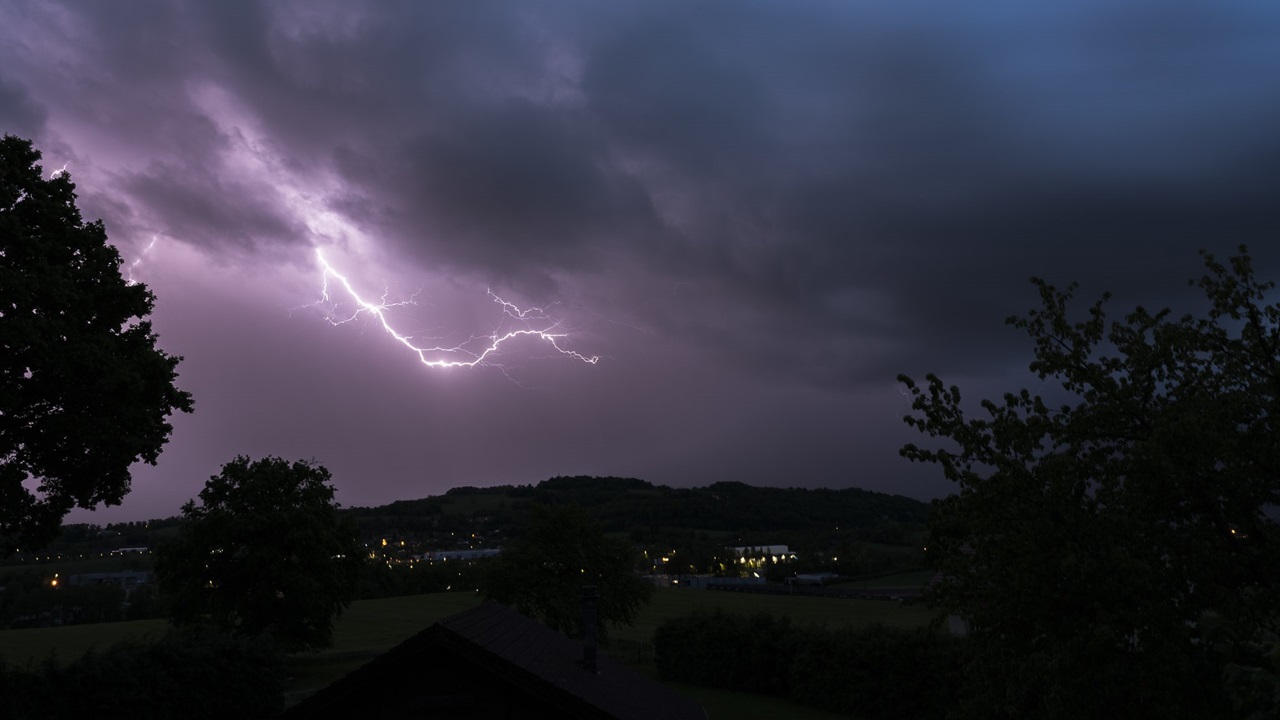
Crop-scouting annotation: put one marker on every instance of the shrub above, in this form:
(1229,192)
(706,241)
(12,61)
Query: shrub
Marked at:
(878,672)
(189,674)
(873,672)
(728,651)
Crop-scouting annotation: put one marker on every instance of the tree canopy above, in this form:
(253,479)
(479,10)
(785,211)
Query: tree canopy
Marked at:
(1116,553)
(84,392)
(263,552)
(542,573)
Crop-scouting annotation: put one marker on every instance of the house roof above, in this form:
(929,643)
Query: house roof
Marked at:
(513,648)
(531,649)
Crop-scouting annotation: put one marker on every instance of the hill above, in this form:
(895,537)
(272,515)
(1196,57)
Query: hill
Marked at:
(628,504)
(848,531)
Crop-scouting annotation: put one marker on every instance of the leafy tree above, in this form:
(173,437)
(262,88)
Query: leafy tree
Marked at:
(263,552)
(84,392)
(1113,554)
(542,573)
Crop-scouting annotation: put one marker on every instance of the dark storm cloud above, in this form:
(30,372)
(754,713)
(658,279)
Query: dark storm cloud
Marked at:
(858,184)
(956,158)
(758,213)
(19,114)
(518,185)
(213,210)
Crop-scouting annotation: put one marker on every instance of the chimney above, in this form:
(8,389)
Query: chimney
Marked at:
(588,661)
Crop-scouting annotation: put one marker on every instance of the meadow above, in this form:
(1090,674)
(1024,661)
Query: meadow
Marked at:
(370,627)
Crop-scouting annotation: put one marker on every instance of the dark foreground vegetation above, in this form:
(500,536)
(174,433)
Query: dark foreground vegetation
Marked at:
(185,674)
(869,672)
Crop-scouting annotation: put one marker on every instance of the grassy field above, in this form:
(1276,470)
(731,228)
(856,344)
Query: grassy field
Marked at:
(369,627)
(915,578)
(70,642)
(833,612)
(730,705)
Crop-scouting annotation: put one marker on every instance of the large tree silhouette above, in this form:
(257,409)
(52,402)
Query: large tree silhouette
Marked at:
(542,573)
(264,551)
(1112,550)
(84,392)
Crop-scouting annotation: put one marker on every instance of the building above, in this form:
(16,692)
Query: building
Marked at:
(493,662)
(127,579)
(446,555)
(759,556)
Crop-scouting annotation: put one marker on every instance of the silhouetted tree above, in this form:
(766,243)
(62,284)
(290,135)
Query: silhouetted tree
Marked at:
(542,573)
(264,551)
(1112,553)
(84,392)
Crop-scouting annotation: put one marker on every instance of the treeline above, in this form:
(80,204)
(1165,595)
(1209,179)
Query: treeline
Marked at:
(872,672)
(849,532)
(29,600)
(922,673)
(642,511)
(378,580)
(728,511)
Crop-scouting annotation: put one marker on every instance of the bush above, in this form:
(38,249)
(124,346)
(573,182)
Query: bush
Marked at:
(878,672)
(145,602)
(727,651)
(873,672)
(188,674)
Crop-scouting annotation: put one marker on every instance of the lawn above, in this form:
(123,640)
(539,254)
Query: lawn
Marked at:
(70,642)
(369,627)
(913,579)
(731,705)
(833,612)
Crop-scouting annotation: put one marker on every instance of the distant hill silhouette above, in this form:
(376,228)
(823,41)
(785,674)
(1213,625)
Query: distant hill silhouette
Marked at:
(721,514)
(634,505)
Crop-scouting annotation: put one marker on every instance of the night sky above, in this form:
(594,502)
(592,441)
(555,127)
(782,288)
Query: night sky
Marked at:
(755,214)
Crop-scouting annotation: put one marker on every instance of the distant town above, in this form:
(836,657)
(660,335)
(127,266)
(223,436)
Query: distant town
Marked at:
(726,536)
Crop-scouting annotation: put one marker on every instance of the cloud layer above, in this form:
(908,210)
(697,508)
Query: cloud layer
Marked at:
(760,213)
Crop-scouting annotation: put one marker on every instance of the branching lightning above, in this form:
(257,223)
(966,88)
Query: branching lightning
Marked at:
(534,323)
(60,171)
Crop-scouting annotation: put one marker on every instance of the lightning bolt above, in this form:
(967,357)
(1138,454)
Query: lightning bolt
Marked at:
(138,260)
(60,171)
(477,350)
